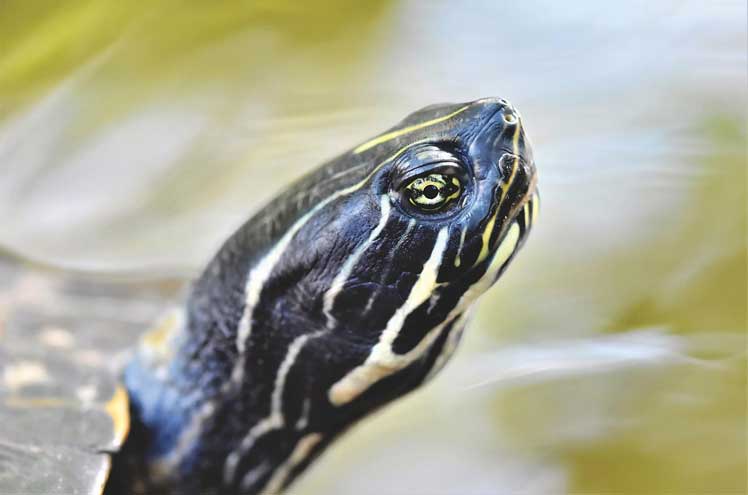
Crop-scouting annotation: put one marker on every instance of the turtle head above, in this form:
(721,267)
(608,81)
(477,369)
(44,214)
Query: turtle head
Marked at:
(431,214)
(345,292)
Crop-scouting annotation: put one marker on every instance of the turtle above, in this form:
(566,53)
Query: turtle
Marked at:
(348,290)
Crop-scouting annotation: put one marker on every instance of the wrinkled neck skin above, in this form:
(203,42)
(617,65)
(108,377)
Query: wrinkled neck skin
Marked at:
(207,428)
(334,300)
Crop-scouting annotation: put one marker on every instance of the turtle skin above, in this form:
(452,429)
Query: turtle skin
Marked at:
(64,339)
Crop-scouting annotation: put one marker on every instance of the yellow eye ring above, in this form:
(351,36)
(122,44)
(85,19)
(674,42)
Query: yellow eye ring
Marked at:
(433,192)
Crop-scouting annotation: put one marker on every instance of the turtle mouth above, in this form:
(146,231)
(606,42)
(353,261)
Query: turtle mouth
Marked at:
(528,214)
(525,212)
(522,217)
(513,236)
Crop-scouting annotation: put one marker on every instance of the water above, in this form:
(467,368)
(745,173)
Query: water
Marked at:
(611,357)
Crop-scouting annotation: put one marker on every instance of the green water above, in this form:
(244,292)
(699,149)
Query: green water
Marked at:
(610,358)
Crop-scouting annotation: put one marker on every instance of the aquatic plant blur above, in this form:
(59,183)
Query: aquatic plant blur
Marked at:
(612,356)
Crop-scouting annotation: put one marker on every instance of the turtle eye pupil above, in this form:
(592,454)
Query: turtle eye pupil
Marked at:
(431,191)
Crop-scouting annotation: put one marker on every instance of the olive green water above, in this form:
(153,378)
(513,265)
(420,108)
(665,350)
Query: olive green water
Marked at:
(611,358)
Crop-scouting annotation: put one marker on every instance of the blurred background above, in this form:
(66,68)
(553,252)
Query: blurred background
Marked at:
(611,358)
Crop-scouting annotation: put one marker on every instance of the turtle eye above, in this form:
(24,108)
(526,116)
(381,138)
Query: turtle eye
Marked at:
(433,192)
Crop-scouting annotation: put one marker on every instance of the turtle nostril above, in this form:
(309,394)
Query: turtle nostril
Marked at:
(509,116)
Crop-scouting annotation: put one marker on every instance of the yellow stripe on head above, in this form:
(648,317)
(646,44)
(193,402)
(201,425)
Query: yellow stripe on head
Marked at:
(504,188)
(400,132)
(515,151)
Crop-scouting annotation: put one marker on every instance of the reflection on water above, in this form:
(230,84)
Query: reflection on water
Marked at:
(611,358)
